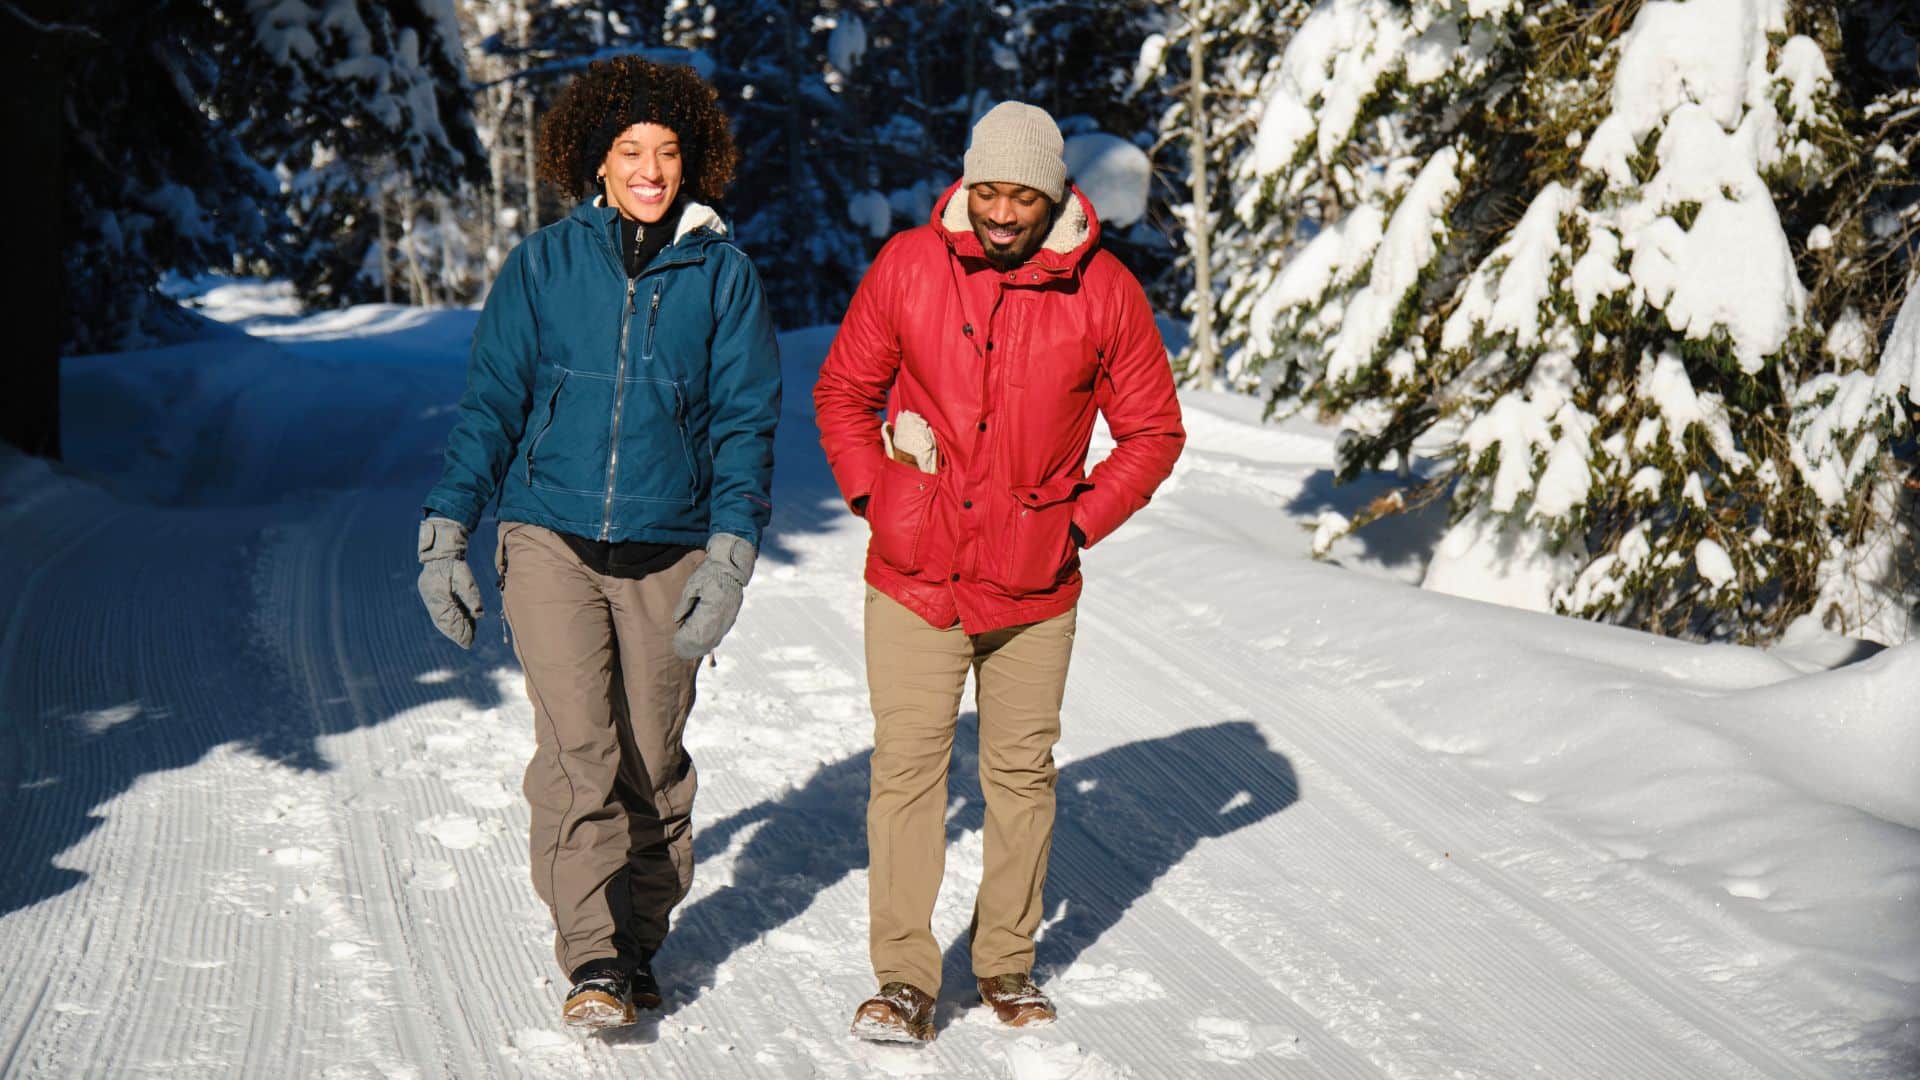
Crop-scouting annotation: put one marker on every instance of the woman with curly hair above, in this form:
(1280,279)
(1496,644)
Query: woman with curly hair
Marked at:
(620,403)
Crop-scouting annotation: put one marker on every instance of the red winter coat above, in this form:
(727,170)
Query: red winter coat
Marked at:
(1009,369)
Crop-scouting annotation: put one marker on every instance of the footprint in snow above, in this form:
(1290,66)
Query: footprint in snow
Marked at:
(1030,1058)
(1222,1039)
(1225,1040)
(484,794)
(432,875)
(456,831)
(1106,984)
(542,1047)
(895,1059)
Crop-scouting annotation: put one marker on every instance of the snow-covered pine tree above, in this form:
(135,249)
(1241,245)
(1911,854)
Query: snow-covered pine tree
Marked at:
(491,31)
(1241,43)
(1858,257)
(263,129)
(1376,117)
(185,194)
(350,101)
(1577,238)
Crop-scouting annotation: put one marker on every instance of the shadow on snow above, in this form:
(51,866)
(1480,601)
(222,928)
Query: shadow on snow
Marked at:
(1125,817)
(144,644)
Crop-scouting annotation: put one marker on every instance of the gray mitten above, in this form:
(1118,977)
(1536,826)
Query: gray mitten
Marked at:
(711,600)
(446,582)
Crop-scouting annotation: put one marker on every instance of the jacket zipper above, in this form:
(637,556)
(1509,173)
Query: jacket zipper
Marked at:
(619,399)
(653,319)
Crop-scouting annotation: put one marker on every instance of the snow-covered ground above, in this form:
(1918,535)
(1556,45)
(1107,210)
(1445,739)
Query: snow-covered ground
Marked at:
(1315,822)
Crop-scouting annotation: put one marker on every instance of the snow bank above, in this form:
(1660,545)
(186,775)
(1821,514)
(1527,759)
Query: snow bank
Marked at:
(1845,736)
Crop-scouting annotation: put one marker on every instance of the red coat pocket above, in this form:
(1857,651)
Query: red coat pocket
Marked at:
(897,510)
(1040,553)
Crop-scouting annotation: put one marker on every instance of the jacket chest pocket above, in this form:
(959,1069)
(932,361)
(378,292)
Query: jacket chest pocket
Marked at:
(1054,369)
(653,323)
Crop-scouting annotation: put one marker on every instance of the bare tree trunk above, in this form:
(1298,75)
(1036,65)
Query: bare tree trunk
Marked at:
(386,247)
(528,127)
(1200,221)
(499,100)
(417,285)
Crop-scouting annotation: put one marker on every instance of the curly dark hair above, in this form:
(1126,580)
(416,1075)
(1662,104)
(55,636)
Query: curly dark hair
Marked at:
(612,96)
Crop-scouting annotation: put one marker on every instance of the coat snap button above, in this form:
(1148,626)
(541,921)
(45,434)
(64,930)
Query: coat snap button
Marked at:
(955,577)
(966,504)
(983,425)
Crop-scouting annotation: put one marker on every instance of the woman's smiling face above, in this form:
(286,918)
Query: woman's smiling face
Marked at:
(642,172)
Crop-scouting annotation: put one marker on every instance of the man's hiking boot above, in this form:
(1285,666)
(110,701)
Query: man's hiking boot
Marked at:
(1016,1001)
(898,1013)
(601,997)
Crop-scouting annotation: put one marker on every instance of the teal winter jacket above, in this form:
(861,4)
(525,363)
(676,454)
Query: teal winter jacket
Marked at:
(619,408)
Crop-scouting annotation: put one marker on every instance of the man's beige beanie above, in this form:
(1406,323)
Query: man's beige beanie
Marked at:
(1017,143)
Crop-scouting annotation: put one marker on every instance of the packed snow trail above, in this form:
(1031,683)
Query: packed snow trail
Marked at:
(265,821)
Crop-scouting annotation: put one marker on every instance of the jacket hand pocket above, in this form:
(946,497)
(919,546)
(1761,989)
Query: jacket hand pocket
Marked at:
(897,510)
(546,422)
(1041,552)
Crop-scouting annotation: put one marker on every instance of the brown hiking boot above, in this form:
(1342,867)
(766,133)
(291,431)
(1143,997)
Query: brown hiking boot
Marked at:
(898,1013)
(1016,1001)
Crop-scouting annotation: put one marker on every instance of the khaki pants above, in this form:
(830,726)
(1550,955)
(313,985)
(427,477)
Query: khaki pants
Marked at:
(915,675)
(610,787)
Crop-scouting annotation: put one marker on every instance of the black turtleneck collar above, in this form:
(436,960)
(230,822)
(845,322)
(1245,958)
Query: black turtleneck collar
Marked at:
(640,243)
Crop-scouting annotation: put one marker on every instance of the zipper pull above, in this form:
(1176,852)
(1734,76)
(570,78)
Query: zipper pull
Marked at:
(631,282)
(656,301)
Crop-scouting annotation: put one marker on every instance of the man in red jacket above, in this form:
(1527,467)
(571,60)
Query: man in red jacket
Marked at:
(1003,328)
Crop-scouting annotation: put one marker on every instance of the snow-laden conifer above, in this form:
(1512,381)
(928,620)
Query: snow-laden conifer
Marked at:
(1602,250)
(1240,49)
